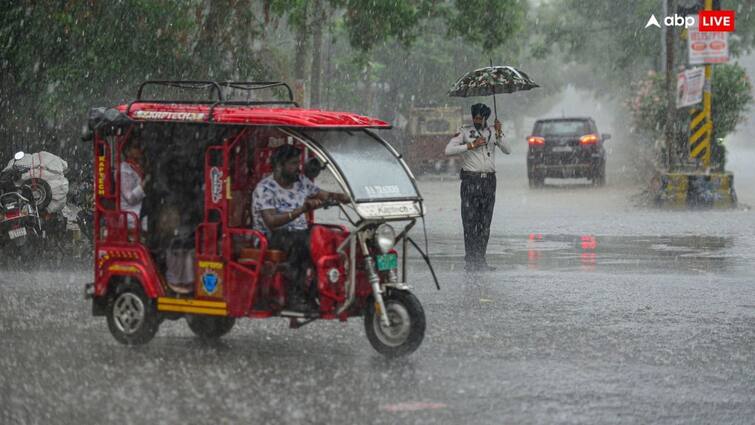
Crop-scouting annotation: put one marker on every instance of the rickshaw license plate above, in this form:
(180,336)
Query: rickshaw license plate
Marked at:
(387,262)
(17,233)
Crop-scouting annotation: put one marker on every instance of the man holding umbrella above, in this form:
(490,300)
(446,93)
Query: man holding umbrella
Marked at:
(476,144)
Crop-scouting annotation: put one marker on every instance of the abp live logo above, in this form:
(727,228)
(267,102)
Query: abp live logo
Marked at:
(716,20)
(707,21)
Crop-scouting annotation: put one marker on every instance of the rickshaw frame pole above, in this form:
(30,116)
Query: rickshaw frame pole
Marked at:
(427,260)
(402,236)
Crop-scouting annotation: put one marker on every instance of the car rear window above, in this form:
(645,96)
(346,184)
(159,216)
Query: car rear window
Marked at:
(561,128)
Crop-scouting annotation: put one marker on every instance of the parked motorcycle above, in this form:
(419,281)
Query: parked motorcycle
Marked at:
(20,226)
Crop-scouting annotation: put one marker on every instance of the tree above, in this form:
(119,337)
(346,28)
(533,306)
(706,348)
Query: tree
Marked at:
(83,54)
(487,23)
(608,42)
(731,99)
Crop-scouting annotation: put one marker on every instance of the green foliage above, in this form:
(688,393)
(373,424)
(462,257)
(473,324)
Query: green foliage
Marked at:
(57,59)
(295,10)
(487,23)
(731,98)
(369,22)
(607,40)
(84,52)
(648,106)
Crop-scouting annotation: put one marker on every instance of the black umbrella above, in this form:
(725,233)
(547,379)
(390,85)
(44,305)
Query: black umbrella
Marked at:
(491,80)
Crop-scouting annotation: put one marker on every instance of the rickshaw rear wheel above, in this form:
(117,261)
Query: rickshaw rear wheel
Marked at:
(210,327)
(131,315)
(407,328)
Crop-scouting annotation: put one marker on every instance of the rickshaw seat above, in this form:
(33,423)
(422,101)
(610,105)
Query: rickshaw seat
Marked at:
(272,255)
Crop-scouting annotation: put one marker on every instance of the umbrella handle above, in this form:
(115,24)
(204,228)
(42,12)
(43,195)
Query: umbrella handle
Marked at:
(495,105)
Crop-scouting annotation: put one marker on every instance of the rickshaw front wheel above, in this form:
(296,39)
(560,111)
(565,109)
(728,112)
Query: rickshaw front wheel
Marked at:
(131,315)
(407,328)
(210,327)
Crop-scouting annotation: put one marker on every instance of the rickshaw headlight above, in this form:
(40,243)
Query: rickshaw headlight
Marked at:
(385,237)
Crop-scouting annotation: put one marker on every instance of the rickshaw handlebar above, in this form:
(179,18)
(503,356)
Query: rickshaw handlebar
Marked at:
(329,203)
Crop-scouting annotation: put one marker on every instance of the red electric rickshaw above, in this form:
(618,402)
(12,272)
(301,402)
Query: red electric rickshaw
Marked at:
(192,253)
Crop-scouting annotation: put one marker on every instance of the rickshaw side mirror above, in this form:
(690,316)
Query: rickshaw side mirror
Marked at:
(19,155)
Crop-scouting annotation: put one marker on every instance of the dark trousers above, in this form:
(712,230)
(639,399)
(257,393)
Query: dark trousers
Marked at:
(296,245)
(477,202)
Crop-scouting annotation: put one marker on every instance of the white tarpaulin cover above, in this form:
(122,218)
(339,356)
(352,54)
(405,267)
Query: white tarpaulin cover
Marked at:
(50,168)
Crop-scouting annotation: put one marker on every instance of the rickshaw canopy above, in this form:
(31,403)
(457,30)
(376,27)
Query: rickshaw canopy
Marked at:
(220,108)
(342,140)
(249,115)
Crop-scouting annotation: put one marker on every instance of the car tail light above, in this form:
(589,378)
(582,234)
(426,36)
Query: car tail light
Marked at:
(589,139)
(535,141)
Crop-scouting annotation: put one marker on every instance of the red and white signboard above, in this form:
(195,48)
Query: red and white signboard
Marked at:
(689,87)
(707,47)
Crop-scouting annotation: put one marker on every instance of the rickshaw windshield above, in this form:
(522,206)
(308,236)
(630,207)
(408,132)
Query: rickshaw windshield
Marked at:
(371,170)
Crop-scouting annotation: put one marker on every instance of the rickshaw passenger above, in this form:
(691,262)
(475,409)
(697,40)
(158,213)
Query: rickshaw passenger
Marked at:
(132,180)
(279,204)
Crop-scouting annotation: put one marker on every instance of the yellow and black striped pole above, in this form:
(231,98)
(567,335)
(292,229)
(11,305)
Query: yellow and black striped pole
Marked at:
(701,126)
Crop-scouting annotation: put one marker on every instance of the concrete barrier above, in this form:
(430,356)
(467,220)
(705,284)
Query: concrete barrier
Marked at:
(694,190)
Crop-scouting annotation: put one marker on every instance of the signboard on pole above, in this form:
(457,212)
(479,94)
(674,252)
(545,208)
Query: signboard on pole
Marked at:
(689,87)
(707,47)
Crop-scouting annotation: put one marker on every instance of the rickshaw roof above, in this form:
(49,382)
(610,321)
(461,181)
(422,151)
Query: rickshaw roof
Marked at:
(247,115)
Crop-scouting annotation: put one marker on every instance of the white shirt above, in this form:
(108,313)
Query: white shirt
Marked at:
(269,195)
(481,159)
(132,193)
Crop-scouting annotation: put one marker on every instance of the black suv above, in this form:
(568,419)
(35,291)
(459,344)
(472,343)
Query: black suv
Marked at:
(566,148)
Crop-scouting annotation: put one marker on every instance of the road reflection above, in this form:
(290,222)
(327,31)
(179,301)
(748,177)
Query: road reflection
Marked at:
(586,247)
(594,253)
(590,253)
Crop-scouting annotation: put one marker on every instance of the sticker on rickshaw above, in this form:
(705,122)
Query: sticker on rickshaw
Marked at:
(210,279)
(102,257)
(382,190)
(210,282)
(217,186)
(101,164)
(214,265)
(123,269)
(173,116)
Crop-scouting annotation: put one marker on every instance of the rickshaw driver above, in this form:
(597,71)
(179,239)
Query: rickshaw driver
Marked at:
(279,203)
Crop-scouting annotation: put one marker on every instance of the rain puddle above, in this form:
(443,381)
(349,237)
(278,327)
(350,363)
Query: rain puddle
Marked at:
(633,254)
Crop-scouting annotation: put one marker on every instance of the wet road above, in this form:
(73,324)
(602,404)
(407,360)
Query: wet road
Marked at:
(599,312)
